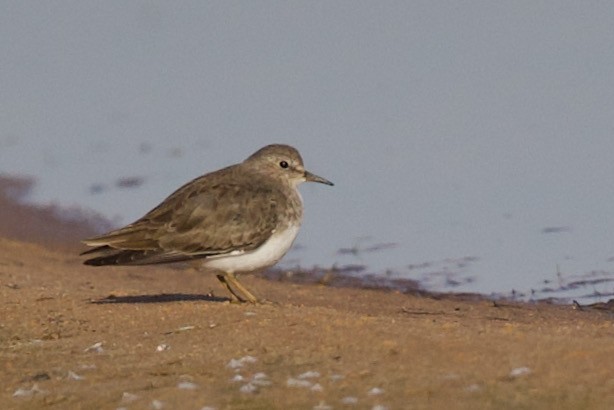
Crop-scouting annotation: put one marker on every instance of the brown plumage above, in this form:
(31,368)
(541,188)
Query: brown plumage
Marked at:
(232,211)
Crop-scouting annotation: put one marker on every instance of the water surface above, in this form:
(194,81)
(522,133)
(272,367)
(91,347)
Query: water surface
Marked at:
(476,138)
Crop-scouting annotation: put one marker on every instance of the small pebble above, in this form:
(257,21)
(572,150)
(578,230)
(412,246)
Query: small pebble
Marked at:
(322,406)
(40,376)
(261,379)
(520,371)
(375,391)
(248,388)
(292,382)
(379,407)
(22,392)
(309,375)
(96,347)
(162,347)
(74,376)
(349,400)
(157,405)
(28,392)
(178,330)
(129,397)
(238,363)
(235,364)
(317,387)
(187,386)
(248,359)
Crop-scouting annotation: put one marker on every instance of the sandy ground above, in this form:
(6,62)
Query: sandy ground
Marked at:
(75,337)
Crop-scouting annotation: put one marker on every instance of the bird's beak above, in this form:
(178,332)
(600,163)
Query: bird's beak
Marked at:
(314,178)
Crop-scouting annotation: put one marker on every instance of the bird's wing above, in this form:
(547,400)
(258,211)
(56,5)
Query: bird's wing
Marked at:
(200,219)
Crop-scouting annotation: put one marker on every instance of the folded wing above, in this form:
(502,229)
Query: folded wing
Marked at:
(199,220)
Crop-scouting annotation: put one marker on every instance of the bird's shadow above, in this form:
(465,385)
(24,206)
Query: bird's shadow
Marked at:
(159,298)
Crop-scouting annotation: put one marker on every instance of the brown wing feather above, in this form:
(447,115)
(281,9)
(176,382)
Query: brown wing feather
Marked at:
(192,223)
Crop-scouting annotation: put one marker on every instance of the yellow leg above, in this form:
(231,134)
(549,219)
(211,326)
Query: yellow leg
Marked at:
(233,295)
(230,279)
(235,282)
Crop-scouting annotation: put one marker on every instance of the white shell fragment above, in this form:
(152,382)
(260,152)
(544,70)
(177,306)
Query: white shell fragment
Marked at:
(520,371)
(257,381)
(74,376)
(261,379)
(349,400)
(309,375)
(185,385)
(292,382)
(239,363)
(248,388)
(375,391)
(129,397)
(96,348)
(157,405)
(317,387)
(21,392)
(322,406)
(162,347)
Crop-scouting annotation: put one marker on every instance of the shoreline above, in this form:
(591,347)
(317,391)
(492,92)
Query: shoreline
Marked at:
(63,229)
(73,336)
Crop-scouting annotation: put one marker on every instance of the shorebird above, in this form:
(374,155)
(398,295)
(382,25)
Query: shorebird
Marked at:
(239,219)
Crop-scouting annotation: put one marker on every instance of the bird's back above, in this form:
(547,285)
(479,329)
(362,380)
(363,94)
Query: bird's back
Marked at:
(215,214)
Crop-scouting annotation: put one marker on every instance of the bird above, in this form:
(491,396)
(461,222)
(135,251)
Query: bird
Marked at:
(239,219)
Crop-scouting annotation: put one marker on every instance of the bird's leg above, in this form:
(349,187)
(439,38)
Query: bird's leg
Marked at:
(233,296)
(230,277)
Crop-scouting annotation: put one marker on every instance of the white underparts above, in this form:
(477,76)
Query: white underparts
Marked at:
(266,255)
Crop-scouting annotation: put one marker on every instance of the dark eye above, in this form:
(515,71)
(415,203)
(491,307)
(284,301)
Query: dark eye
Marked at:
(283,164)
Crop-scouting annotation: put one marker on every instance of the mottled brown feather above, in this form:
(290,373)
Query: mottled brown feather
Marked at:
(191,223)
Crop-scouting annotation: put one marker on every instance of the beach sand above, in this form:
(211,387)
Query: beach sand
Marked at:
(77,337)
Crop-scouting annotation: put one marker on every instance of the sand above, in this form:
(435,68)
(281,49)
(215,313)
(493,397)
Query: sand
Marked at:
(77,337)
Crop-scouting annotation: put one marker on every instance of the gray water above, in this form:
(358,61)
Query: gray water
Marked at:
(471,142)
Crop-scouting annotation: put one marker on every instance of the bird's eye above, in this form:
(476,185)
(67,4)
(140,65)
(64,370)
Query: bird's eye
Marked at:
(283,164)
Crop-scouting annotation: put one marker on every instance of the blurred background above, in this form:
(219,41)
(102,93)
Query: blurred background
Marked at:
(470,144)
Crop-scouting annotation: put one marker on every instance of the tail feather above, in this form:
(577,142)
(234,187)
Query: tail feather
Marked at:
(115,258)
(111,256)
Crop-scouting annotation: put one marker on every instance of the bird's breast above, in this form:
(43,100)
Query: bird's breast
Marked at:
(268,254)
